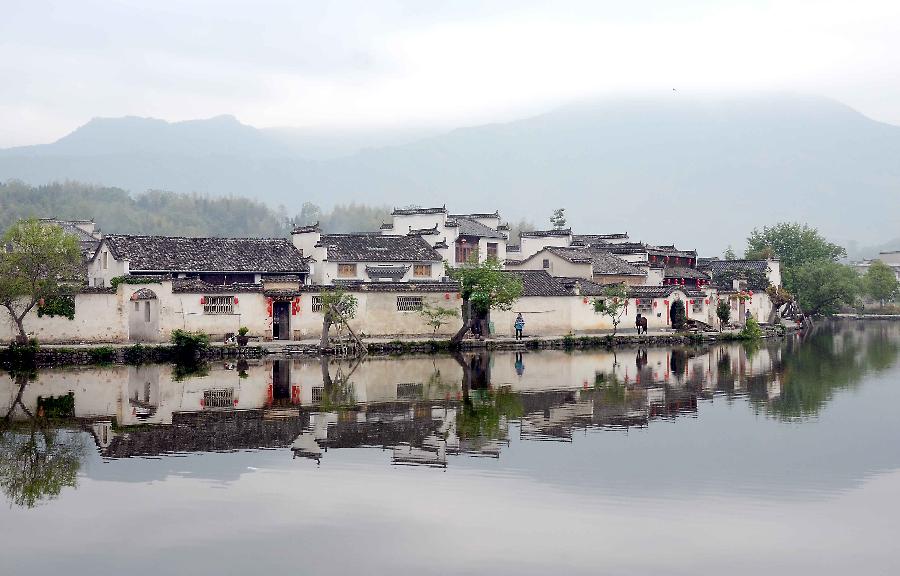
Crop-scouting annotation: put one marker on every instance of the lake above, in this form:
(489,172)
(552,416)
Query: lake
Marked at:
(781,458)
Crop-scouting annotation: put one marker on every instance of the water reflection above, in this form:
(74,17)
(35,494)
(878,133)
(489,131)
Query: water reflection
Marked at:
(420,410)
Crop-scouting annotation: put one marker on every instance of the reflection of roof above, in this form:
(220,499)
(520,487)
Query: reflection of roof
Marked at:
(181,254)
(377,248)
(539,283)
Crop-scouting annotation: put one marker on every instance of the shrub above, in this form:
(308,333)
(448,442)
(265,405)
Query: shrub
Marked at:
(189,344)
(243,331)
(751,330)
(102,354)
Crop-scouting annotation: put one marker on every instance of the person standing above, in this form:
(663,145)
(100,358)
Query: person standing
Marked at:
(519,326)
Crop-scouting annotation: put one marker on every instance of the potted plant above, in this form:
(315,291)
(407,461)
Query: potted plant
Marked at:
(242,337)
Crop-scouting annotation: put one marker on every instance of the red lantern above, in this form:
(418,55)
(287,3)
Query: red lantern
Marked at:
(666,302)
(235,299)
(447,296)
(692,301)
(637,301)
(706,301)
(655,303)
(203,300)
(750,292)
(584,300)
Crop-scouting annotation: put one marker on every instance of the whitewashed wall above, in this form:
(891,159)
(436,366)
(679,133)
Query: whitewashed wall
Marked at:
(98,318)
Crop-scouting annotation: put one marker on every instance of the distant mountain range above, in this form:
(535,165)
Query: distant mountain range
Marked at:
(700,172)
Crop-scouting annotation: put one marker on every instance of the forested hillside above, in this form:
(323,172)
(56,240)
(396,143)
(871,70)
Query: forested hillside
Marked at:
(171,213)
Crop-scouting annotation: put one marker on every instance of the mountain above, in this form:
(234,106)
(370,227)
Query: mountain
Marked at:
(700,172)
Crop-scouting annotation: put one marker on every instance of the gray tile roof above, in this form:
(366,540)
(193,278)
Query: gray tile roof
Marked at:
(377,248)
(546,233)
(594,239)
(495,214)
(180,254)
(602,261)
(713,266)
(662,291)
(86,242)
(423,231)
(470,227)
(308,228)
(411,211)
(539,283)
(387,271)
(586,287)
(671,251)
(684,272)
(197,286)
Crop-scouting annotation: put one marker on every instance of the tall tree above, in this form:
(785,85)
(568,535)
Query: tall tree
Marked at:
(729,253)
(824,286)
(36,261)
(880,282)
(483,286)
(794,244)
(558,220)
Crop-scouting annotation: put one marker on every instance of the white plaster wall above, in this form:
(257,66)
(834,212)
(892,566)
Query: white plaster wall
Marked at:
(558,266)
(329,272)
(529,245)
(98,318)
(114,267)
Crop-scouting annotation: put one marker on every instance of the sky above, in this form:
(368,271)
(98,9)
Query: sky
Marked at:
(375,64)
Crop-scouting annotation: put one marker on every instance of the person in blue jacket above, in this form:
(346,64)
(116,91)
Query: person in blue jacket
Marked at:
(519,325)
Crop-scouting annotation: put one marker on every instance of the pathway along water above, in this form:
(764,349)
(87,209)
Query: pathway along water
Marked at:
(781,458)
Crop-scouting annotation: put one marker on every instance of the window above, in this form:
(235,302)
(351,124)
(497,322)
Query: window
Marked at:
(422,270)
(409,303)
(546,263)
(346,270)
(317,393)
(218,305)
(218,398)
(146,310)
(645,306)
(492,250)
(466,252)
(409,391)
(104,258)
(697,305)
(137,306)
(316,303)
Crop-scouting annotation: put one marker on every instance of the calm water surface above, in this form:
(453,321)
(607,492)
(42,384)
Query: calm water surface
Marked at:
(782,459)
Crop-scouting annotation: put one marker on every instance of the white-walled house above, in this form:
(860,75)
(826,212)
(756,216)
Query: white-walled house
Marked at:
(458,237)
(368,257)
(534,241)
(212,260)
(590,263)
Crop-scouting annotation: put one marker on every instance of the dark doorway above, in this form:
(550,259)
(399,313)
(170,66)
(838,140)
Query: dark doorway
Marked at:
(281,320)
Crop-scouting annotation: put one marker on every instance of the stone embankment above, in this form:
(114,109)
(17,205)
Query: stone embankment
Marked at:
(54,355)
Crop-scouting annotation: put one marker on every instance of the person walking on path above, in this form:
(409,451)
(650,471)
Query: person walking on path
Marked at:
(519,326)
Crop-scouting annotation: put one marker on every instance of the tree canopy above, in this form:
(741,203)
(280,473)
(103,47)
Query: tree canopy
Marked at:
(822,287)
(793,244)
(880,282)
(37,261)
(558,220)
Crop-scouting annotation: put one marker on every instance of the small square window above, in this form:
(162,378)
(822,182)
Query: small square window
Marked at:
(409,303)
(546,263)
(422,270)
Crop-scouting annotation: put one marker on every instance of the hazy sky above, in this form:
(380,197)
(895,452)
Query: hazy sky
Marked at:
(372,63)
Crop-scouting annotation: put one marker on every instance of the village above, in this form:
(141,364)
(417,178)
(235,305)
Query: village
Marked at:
(139,289)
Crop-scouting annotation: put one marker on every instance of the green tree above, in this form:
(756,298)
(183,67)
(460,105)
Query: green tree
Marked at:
(723,312)
(483,286)
(794,245)
(880,282)
(729,254)
(558,220)
(437,316)
(38,260)
(677,314)
(612,304)
(338,308)
(822,287)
